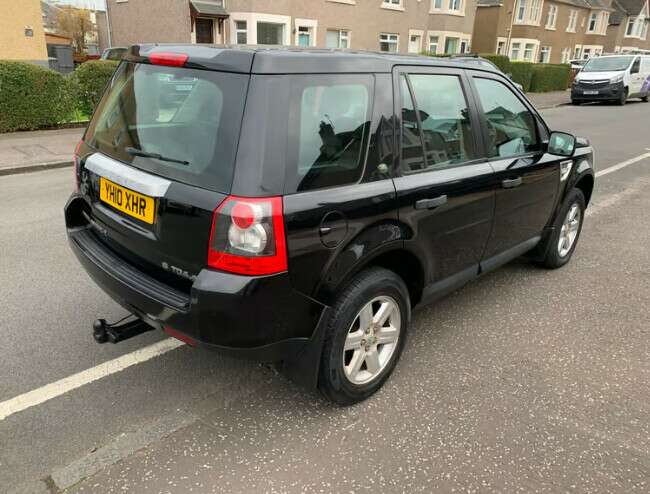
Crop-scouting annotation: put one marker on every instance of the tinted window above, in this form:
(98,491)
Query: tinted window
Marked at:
(328,127)
(511,127)
(412,151)
(443,117)
(189,118)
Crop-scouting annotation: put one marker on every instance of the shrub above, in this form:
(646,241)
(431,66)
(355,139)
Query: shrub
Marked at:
(501,61)
(550,77)
(90,80)
(32,97)
(522,73)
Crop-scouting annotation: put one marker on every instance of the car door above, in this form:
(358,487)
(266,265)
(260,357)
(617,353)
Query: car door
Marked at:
(443,183)
(526,177)
(636,77)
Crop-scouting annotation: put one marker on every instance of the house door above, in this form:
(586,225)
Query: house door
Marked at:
(204,31)
(415,43)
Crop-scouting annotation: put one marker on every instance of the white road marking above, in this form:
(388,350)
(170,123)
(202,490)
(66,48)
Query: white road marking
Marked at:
(58,388)
(622,164)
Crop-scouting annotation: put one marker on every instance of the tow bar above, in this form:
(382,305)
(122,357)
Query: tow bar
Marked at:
(103,331)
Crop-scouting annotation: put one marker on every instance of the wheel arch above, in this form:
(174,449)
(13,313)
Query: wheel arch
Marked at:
(586,186)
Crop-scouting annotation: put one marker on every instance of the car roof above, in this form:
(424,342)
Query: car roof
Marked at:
(259,59)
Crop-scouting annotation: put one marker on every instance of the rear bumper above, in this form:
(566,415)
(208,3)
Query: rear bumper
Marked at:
(609,92)
(257,318)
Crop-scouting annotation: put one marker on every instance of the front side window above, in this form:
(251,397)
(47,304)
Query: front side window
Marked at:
(328,126)
(512,130)
(388,42)
(441,119)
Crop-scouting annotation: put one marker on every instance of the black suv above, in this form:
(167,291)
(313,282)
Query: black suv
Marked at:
(294,206)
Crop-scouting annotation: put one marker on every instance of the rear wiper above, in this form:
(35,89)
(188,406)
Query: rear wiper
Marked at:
(156,156)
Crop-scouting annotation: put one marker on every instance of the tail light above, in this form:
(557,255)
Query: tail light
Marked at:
(75,161)
(248,236)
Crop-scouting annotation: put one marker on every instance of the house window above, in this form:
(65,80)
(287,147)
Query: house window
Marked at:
(337,38)
(451,45)
(521,10)
(241,32)
(544,54)
(436,4)
(577,51)
(269,33)
(536,11)
(455,5)
(433,44)
(644,30)
(586,53)
(604,22)
(529,51)
(593,21)
(501,47)
(566,55)
(389,42)
(515,50)
(552,17)
(393,2)
(573,21)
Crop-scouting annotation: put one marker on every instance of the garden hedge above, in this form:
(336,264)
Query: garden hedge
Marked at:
(550,77)
(32,97)
(522,73)
(90,79)
(501,61)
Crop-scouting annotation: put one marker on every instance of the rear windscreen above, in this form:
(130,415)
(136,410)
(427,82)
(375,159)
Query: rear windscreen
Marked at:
(178,123)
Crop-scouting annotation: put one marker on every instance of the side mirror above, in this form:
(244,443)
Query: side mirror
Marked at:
(561,144)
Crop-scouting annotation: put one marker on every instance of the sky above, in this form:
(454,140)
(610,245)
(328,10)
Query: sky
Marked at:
(86,4)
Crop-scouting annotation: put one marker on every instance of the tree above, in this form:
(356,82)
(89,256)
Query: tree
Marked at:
(76,24)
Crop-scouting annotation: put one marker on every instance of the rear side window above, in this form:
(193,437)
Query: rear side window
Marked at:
(512,130)
(441,121)
(178,123)
(328,129)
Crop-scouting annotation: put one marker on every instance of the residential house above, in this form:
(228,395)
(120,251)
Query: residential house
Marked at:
(439,26)
(545,31)
(21,32)
(628,27)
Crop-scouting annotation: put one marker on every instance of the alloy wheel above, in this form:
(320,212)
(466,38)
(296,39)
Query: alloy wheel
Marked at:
(569,230)
(371,340)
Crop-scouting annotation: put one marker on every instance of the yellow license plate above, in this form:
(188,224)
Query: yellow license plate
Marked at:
(132,203)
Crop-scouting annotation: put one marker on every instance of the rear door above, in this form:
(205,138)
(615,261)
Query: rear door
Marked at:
(443,184)
(157,159)
(526,177)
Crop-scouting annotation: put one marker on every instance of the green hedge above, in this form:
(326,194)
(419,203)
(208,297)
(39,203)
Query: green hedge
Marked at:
(501,61)
(550,77)
(522,73)
(90,79)
(32,97)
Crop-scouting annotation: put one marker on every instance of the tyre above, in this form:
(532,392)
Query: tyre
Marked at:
(645,98)
(567,227)
(623,98)
(364,336)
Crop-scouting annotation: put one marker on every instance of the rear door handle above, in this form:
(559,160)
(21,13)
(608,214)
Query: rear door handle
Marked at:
(431,203)
(512,182)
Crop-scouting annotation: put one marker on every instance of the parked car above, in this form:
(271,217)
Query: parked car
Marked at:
(113,53)
(296,205)
(613,78)
(484,62)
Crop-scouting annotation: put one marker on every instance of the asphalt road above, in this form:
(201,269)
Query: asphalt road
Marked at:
(525,380)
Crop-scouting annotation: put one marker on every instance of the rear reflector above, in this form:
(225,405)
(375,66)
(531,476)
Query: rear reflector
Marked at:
(179,336)
(169,59)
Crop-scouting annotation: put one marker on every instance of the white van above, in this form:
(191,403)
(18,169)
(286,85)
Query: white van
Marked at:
(613,78)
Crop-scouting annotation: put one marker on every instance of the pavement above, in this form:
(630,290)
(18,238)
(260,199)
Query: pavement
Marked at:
(526,380)
(22,152)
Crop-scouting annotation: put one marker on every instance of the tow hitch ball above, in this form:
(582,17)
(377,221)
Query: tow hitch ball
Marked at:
(103,331)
